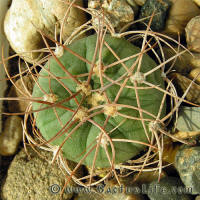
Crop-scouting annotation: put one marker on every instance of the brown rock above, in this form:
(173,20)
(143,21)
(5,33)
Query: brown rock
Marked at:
(148,177)
(197,2)
(140,2)
(195,74)
(183,63)
(193,95)
(180,14)
(193,34)
(34,179)
(11,136)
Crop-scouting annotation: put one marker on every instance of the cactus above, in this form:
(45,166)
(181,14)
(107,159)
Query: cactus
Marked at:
(100,101)
(95,103)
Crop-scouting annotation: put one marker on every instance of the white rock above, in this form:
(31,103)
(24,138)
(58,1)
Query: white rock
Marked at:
(26,17)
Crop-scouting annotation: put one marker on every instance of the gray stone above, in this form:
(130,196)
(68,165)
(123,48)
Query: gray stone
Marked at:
(187,163)
(159,8)
(168,188)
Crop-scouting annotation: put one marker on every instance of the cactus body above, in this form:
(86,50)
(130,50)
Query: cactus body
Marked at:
(119,126)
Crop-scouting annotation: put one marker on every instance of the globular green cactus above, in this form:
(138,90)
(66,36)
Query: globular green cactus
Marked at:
(97,102)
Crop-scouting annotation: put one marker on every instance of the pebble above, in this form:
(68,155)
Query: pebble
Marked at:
(25,85)
(148,177)
(127,191)
(183,63)
(35,178)
(169,152)
(179,15)
(11,136)
(187,163)
(197,2)
(134,6)
(100,196)
(197,198)
(90,196)
(3,43)
(192,31)
(188,119)
(140,2)
(26,17)
(160,7)
(195,73)
(118,13)
(193,95)
(169,188)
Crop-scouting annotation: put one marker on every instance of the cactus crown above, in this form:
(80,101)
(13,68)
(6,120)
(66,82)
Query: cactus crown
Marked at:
(101,100)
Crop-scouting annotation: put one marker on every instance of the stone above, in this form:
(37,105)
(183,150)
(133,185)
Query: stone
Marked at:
(195,74)
(192,31)
(159,8)
(5,44)
(183,63)
(134,6)
(182,82)
(147,177)
(126,190)
(168,188)
(11,136)
(140,2)
(34,178)
(179,15)
(117,13)
(26,17)
(197,2)
(90,196)
(187,163)
(197,198)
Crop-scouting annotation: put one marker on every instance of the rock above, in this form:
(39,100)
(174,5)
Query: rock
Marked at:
(160,8)
(5,44)
(197,2)
(183,63)
(34,179)
(195,74)
(197,198)
(193,34)
(118,12)
(148,177)
(168,188)
(11,136)
(179,15)
(188,118)
(111,190)
(25,88)
(169,152)
(186,135)
(127,190)
(187,163)
(134,6)
(26,17)
(140,2)
(193,95)
(188,122)
(195,61)
(90,196)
